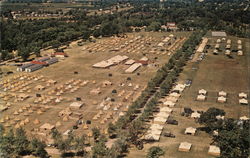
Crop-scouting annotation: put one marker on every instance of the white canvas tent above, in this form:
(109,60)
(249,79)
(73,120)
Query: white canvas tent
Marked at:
(185,146)
(190,130)
(214,150)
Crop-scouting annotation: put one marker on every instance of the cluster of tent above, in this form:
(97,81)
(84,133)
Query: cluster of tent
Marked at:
(222,97)
(155,130)
(19,83)
(69,86)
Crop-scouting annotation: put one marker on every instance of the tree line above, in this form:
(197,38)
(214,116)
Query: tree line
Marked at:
(28,36)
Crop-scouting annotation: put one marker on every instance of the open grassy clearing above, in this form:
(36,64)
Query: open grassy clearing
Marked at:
(214,73)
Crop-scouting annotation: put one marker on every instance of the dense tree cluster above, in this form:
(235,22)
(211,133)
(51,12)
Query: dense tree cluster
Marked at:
(28,36)
(16,144)
(233,135)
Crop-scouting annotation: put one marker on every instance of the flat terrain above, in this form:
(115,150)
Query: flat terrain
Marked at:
(214,73)
(80,60)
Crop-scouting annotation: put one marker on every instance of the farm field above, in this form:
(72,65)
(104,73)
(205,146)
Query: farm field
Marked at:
(104,93)
(214,73)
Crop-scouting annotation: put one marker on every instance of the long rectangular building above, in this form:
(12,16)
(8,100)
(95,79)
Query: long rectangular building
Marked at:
(133,67)
(23,67)
(33,68)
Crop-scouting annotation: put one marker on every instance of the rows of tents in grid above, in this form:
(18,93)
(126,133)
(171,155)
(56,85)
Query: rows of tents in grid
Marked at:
(222,97)
(228,47)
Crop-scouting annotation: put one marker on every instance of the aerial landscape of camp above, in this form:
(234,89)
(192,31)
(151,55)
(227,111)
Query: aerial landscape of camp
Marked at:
(135,79)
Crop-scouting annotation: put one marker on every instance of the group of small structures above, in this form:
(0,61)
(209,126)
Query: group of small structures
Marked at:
(228,47)
(222,97)
(37,64)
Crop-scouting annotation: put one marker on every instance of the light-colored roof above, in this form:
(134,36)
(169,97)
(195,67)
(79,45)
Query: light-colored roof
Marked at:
(243,101)
(219,117)
(130,62)
(144,59)
(222,93)
(172,99)
(152,137)
(112,61)
(155,132)
(244,118)
(165,109)
(177,95)
(156,126)
(242,95)
(166,39)
(202,45)
(195,115)
(203,91)
(163,114)
(219,33)
(222,99)
(160,119)
(133,67)
(169,103)
(76,104)
(214,150)
(47,126)
(185,146)
(191,130)
(201,97)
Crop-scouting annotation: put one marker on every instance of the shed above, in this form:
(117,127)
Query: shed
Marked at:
(221,99)
(239,42)
(239,47)
(219,34)
(163,114)
(130,62)
(166,109)
(156,126)
(229,41)
(77,105)
(242,95)
(195,115)
(190,130)
(169,103)
(185,146)
(217,46)
(133,68)
(47,127)
(152,137)
(160,120)
(240,53)
(214,150)
(222,93)
(201,97)
(243,101)
(202,91)
(227,52)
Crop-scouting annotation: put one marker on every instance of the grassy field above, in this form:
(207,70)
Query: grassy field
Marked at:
(81,60)
(214,73)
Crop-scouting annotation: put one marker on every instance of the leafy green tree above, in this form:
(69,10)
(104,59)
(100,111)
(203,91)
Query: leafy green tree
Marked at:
(99,149)
(155,152)
(38,148)
(233,139)
(7,148)
(21,142)
(79,144)
(209,119)
(96,133)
